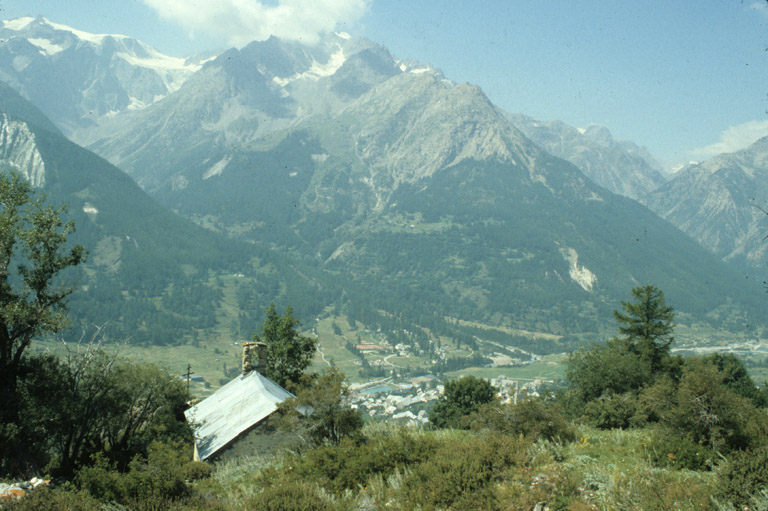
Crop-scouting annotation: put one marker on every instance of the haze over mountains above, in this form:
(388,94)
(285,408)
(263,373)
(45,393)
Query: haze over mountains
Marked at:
(77,78)
(383,188)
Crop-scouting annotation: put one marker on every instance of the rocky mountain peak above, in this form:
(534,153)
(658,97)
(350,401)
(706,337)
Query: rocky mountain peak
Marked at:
(449,124)
(620,166)
(18,150)
(599,134)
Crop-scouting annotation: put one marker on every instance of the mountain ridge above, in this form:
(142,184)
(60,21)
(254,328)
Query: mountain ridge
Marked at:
(715,203)
(98,75)
(619,166)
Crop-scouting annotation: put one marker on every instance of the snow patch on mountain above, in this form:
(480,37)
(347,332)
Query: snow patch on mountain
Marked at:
(416,67)
(317,70)
(579,274)
(83,36)
(90,209)
(18,23)
(20,63)
(159,61)
(46,47)
(100,75)
(18,149)
(217,168)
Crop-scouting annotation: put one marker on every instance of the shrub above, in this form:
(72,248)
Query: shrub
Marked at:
(162,476)
(460,474)
(324,397)
(708,412)
(461,397)
(350,464)
(612,411)
(744,475)
(289,495)
(59,499)
(533,418)
(736,377)
(673,451)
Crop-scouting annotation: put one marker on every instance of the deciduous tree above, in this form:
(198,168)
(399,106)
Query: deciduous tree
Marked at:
(33,251)
(319,411)
(461,397)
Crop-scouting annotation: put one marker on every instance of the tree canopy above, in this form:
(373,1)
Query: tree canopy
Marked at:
(319,412)
(461,397)
(33,251)
(288,352)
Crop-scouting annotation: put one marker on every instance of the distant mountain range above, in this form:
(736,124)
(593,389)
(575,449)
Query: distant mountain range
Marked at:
(620,166)
(393,192)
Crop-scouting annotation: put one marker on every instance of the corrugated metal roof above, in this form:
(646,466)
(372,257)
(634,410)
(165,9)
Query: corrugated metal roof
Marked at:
(232,409)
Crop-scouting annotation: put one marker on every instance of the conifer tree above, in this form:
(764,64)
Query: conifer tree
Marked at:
(647,324)
(288,352)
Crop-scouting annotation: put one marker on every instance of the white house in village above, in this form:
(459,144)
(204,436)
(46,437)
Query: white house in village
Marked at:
(236,408)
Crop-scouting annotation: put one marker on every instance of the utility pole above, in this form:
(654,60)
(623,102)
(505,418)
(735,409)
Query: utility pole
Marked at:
(188,374)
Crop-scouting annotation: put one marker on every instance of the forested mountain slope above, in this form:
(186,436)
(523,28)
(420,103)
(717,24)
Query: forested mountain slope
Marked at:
(151,274)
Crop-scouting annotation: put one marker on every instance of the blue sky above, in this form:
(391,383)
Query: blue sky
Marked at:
(687,79)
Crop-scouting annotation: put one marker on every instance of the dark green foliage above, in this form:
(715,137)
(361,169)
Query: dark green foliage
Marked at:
(352,462)
(93,404)
(700,417)
(288,495)
(670,450)
(319,413)
(736,378)
(461,397)
(745,474)
(33,252)
(612,411)
(458,363)
(627,363)
(288,353)
(647,325)
(706,411)
(161,477)
(611,369)
(59,499)
(533,418)
(462,475)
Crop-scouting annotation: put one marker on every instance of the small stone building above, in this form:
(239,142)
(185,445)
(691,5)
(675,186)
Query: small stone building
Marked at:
(236,408)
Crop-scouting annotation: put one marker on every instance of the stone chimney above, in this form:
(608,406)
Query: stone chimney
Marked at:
(260,355)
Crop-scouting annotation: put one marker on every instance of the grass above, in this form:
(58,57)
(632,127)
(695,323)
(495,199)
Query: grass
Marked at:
(550,367)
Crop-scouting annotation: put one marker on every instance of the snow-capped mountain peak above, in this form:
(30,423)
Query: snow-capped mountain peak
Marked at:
(78,77)
(41,25)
